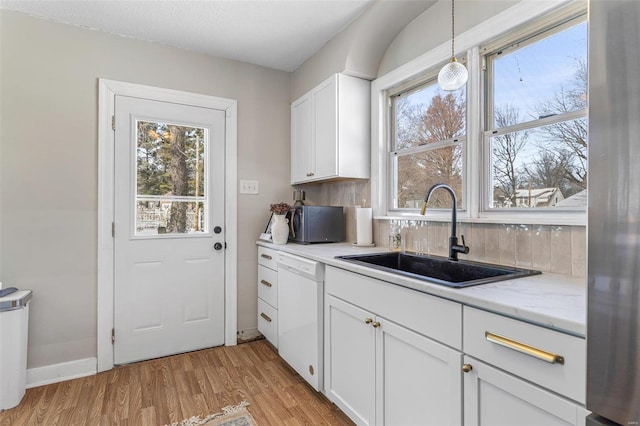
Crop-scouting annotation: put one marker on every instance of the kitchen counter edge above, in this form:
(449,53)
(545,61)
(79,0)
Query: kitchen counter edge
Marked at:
(550,300)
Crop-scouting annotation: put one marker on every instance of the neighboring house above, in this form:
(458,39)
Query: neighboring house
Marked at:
(538,197)
(576,200)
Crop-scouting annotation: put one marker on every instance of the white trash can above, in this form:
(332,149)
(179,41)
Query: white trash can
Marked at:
(14,325)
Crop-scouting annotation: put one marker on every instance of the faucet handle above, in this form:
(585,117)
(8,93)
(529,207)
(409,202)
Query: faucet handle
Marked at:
(465,248)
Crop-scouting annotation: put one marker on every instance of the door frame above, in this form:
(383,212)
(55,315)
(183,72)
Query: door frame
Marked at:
(107,90)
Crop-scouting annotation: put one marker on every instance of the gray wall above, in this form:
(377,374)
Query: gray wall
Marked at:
(49,157)
(48,143)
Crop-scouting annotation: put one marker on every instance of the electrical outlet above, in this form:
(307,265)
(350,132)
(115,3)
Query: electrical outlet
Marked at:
(249,187)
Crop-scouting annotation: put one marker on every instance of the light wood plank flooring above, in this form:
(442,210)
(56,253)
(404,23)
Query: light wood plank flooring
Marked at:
(171,389)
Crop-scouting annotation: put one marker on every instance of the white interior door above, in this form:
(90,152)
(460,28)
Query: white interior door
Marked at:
(169,228)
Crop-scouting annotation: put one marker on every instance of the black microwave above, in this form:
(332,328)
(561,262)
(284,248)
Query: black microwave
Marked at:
(316,224)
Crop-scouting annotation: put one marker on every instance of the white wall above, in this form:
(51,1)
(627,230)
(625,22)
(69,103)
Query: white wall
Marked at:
(433,27)
(48,169)
(358,48)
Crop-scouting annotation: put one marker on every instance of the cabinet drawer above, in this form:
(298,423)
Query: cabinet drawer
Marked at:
(551,359)
(268,322)
(268,257)
(268,285)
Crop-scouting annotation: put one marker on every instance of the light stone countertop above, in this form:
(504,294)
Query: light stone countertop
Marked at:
(551,300)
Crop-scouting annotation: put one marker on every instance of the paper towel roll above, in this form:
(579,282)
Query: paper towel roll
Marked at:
(364,228)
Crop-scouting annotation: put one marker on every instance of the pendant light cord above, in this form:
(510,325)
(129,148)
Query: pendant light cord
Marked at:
(453,21)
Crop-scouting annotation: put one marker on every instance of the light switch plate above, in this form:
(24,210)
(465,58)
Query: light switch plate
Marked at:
(249,187)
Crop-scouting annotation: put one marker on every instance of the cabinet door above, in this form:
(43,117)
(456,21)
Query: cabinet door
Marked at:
(325,116)
(418,381)
(495,398)
(350,360)
(301,140)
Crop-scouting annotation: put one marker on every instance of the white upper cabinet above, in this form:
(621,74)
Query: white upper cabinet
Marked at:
(330,131)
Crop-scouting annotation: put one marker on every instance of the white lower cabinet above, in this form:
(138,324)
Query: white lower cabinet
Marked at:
(268,294)
(496,398)
(394,357)
(349,360)
(380,373)
(521,374)
(418,381)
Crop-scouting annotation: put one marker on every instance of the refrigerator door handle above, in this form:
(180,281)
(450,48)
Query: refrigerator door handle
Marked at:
(543,355)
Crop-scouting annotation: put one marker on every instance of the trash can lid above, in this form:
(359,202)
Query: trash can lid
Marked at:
(16,300)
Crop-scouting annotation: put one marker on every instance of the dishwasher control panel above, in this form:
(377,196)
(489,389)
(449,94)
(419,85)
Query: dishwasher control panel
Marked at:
(299,265)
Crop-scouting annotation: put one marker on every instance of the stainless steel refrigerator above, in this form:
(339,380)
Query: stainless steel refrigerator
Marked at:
(613,319)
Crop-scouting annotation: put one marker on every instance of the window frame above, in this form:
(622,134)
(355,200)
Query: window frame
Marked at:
(428,79)
(527,36)
(523,20)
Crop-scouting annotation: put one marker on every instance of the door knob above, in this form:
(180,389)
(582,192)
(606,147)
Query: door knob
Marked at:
(217,246)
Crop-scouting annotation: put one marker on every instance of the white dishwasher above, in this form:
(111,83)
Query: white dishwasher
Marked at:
(300,316)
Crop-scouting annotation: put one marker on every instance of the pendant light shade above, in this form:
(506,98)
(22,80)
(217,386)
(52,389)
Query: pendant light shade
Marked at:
(454,75)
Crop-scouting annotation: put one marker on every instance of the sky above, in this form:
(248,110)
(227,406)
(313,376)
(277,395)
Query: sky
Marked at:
(526,76)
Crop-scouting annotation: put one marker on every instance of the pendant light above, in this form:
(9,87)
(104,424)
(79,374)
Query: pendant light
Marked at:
(453,76)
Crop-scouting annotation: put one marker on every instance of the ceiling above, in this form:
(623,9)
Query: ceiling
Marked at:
(278,34)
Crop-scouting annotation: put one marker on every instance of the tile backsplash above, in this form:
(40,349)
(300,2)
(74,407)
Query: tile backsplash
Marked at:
(548,248)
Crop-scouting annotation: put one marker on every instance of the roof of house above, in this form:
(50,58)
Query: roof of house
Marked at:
(576,200)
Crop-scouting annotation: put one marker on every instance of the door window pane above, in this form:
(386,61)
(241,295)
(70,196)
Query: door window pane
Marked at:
(170,179)
(158,217)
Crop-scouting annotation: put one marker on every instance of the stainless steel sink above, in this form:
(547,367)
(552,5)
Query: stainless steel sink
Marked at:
(439,270)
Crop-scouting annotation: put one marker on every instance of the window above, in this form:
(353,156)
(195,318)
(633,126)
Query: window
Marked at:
(512,143)
(429,127)
(536,121)
(170,179)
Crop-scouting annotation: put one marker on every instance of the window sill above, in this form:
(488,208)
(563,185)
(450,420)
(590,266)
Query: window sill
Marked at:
(567,219)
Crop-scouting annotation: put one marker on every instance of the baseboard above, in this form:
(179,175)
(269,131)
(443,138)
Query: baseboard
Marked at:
(60,372)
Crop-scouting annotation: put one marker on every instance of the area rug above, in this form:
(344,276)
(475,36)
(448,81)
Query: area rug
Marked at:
(232,415)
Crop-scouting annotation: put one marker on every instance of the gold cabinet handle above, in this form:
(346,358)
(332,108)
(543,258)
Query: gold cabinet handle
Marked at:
(375,324)
(467,367)
(368,320)
(267,283)
(549,357)
(266,256)
(266,317)
(310,174)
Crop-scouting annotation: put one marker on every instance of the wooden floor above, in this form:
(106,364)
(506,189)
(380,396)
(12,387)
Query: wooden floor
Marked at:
(171,389)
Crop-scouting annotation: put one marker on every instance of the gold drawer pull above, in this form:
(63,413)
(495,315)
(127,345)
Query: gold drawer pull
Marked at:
(267,283)
(524,348)
(266,256)
(265,316)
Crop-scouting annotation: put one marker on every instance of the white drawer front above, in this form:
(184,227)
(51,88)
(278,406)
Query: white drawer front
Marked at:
(528,351)
(268,257)
(431,316)
(268,322)
(268,285)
